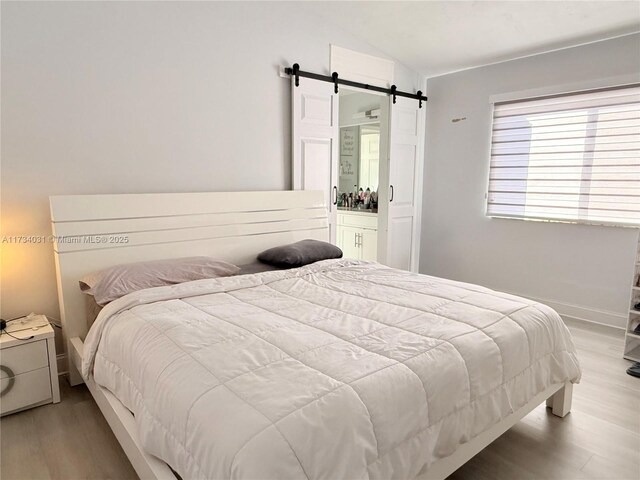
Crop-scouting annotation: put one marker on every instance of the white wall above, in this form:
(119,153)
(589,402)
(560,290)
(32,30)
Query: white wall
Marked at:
(124,97)
(581,270)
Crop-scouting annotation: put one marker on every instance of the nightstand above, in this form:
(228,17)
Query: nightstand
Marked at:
(28,368)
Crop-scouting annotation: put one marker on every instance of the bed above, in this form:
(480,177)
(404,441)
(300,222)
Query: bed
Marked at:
(339,369)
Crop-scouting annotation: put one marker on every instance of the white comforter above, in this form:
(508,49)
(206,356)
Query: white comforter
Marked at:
(338,370)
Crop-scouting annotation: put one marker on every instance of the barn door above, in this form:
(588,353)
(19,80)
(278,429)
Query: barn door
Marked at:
(399,186)
(315,137)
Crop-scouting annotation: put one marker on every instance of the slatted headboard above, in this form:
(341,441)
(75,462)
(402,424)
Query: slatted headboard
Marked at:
(98,231)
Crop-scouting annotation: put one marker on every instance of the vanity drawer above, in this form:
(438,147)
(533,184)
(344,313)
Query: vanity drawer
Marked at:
(360,220)
(27,389)
(24,358)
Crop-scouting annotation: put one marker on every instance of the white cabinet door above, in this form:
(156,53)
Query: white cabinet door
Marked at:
(348,242)
(402,175)
(369,245)
(315,134)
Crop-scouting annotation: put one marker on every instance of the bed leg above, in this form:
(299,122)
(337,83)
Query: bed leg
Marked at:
(74,357)
(74,376)
(560,402)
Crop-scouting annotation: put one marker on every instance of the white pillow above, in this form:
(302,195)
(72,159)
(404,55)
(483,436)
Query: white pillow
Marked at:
(115,282)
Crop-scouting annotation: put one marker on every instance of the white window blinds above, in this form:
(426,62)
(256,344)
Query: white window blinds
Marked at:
(573,157)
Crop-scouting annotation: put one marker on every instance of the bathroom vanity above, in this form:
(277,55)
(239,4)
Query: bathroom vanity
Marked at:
(357,234)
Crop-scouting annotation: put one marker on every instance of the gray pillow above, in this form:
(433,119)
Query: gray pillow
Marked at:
(115,282)
(300,253)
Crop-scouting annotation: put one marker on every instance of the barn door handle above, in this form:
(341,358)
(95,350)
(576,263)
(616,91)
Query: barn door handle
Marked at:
(391,188)
(335,193)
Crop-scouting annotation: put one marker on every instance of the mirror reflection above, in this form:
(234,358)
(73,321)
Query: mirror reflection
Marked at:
(359,150)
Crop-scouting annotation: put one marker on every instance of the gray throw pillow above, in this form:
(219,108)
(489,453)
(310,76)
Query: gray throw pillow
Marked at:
(300,253)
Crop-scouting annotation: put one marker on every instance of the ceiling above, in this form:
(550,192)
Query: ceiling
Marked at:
(436,37)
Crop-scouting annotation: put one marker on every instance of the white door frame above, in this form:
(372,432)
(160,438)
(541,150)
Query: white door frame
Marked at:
(417,233)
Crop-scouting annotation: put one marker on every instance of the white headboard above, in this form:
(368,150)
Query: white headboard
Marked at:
(98,231)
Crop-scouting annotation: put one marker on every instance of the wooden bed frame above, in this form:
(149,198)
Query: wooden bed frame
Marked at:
(98,231)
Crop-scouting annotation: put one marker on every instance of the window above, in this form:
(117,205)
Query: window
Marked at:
(572,157)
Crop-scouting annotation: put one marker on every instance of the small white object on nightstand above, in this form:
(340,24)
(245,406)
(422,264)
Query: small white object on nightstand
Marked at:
(28,368)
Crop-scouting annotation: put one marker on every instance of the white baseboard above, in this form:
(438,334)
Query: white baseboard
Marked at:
(581,313)
(591,315)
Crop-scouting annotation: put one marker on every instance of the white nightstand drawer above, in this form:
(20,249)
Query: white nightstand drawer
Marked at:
(28,389)
(24,358)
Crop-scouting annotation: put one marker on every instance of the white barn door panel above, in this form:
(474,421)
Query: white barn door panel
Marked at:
(315,136)
(403,193)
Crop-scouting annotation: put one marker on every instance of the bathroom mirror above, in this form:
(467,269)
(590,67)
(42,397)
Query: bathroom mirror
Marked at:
(359,119)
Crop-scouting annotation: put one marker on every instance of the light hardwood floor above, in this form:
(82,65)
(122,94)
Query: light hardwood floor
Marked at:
(600,439)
